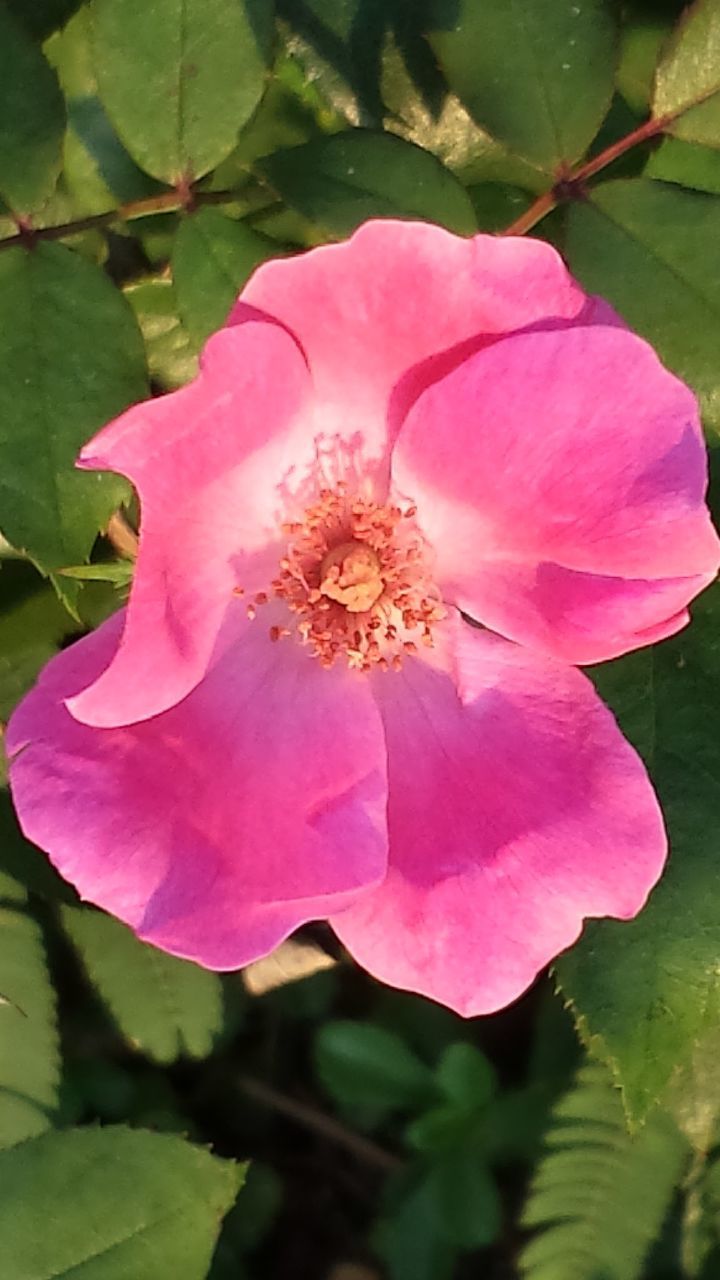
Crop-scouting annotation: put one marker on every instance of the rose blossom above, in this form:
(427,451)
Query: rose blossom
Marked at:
(294,719)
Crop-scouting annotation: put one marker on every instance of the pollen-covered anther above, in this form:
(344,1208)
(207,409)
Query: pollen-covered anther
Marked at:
(355,579)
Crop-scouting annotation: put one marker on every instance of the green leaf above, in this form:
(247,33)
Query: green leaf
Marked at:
(179,78)
(468,1207)
(465,1076)
(687,82)
(599,1195)
(32,119)
(362,1065)
(645,993)
(29,1044)
(118,572)
(73,359)
(97,172)
(213,257)
(537,74)
(171,359)
(33,624)
(410,1239)
(686,164)
(164,1006)
(373,66)
(653,250)
(111,1203)
(339,182)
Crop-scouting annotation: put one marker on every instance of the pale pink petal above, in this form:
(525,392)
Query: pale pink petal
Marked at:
(516,809)
(215,829)
(396,293)
(213,464)
(563,449)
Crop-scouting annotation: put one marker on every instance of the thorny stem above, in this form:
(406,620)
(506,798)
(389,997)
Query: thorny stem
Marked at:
(186,197)
(572,181)
(167,202)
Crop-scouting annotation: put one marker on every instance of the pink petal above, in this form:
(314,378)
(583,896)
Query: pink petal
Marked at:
(516,809)
(210,462)
(560,476)
(396,293)
(215,829)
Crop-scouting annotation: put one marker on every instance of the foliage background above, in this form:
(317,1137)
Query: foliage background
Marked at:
(152,153)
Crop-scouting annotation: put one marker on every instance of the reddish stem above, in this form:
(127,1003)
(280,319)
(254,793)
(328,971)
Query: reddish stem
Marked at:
(574,178)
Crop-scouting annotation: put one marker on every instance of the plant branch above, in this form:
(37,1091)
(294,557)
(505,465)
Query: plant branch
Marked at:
(572,181)
(323,1125)
(166,202)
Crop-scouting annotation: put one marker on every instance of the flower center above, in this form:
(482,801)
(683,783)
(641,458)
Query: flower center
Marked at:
(356,582)
(350,574)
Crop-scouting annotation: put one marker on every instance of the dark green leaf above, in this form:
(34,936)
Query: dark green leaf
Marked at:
(29,1044)
(40,17)
(465,1076)
(468,1208)
(363,1065)
(645,993)
(32,119)
(73,359)
(33,623)
(212,258)
(653,250)
(537,74)
(164,1006)
(179,78)
(339,182)
(410,1239)
(111,1203)
(687,84)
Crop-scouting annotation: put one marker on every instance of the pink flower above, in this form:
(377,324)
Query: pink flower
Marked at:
(389,436)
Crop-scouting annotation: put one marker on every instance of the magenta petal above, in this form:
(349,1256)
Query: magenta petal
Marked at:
(215,829)
(209,463)
(395,293)
(560,477)
(516,809)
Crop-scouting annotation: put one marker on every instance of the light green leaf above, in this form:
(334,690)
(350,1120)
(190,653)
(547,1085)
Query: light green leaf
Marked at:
(339,182)
(29,1043)
(73,358)
(687,83)
(645,993)
(537,74)
(599,1195)
(686,164)
(653,250)
(32,119)
(111,1204)
(164,1006)
(213,257)
(179,78)
(171,358)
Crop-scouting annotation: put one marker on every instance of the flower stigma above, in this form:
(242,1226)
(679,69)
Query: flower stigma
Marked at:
(356,582)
